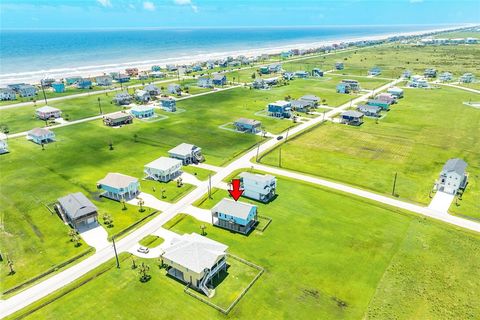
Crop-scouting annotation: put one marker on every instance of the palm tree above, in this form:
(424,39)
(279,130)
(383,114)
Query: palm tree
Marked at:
(10,265)
(107,219)
(163,193)
(143,272)
(141,202)
(134,265)
(72,234)
(203,227)
(135,137)
(123,202)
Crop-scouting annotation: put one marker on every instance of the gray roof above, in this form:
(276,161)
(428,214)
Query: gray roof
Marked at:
(233,208)
(352,113)
(251,122)
(38,132)
(310,97)
(47,109)
(117,180)
(117,115)
(457,165)
(76,205)
(151,87)
(195,252)
(218,76)
(300,103)
(262,178)
(163,163)
(366,107)
(183,149)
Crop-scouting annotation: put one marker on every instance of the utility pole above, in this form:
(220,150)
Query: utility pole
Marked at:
(394,184)
(258,149)
(99,105)
(286,135)
(115,249)
(210,186)
(43,90)
(280,157)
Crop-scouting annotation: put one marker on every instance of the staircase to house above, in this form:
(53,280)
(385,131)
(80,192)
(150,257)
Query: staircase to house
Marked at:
(206,278)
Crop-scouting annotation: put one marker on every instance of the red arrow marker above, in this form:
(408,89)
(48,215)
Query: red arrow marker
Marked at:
(236,192)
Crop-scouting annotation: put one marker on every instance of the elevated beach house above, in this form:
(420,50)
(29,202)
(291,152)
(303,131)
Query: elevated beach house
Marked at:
(72,80)
(375,71)
(142,111)
(387,97)
(301,74)
(163,169)
(47,112)
(41,135)
(152,89)
(168,104)
(354,84)
(174,88)
(370,111)
(132,72)
(445,76)
(47,82)
(260,84)
(142,96)
(339,66)
(188,153)
(301,105)
(351,117)
(385,105)
(121,77)
(430,73)
(316,72)
(343,88)
(195,260)
(396,91)
(280,109)
(453,177)
(418,82)
(105,80)
(219,79)
(259,187)
(84,84)
(7,94)
(157,74)
(467,78)
(312,99)
(76,210)
(26,90)
(3,143)
(118,186)
(156,68)
(248,125)
(288,75)
(122,99)
(58,87)
(205,82)
(235,216)
(117,119)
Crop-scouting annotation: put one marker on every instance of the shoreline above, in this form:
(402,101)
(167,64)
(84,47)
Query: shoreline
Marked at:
(34,77)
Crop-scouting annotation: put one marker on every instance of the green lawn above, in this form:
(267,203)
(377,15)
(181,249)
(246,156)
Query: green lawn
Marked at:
(151,241)
(417,136)
(326,256)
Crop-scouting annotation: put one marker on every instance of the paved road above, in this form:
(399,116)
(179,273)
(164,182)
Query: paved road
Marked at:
(130,241)
(458,87)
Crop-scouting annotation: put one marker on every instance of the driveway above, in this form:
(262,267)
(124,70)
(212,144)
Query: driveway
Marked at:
(441,202)
(199,214)
(95,236)
(150,201)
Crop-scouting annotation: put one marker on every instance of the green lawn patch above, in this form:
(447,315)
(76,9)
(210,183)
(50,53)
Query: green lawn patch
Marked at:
(151,241)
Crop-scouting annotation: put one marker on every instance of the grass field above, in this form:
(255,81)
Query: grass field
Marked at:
(151,241)
(325,256)
(411,140)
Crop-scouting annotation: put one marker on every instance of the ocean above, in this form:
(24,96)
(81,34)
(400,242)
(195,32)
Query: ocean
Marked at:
(36,54)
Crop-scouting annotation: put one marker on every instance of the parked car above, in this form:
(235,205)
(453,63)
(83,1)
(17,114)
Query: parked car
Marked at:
(143,250)
(279,137)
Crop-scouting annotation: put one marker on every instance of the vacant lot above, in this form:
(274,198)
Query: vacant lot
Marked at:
(325,256)
(417,136)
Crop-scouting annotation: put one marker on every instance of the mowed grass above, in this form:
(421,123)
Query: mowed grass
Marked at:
(326,256)
(415,139)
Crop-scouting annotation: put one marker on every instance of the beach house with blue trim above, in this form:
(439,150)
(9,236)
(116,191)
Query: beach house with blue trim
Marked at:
(385,105)
(105,80)
(351,117)
(117,186)
(84,84)
(122,99)
(58,87)
(142,111)
(41,135)
(343,88)
(219,79)
(248,125)
(205,82)
(233,215)
(259,187)
(153,90)
(301,74)
(280,109)
(27,90)
(122,78)
(3,143)
(72,80)
(339,65)
(316,72)
(467,78)
(174,88)
(155,68)
(168,104)
(7,94)
(142,96)
(395,91)
(163,169)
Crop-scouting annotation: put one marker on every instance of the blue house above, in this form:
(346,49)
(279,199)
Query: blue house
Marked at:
(339,66)
(156,68)
(236,216)
(264,70)
(84,84)
(280,109)
(354,84)
(7,94)
(288,75)
(141,112)
(301,74)
(445,76)
(58,87)
(72,80)
(27,90)
(174,88)
(430,73)
(407,74)
(395,91)
(205,82)
(168,104)
(219,79)
(122,99)
(118,186)
(467,78)
(353,118)
(247,125)
(286,54)
(41,135)
(258,186)
(104,80)
(197,68)
(343,87)
(122,78)
(317,72)
(385,105)
(375,71)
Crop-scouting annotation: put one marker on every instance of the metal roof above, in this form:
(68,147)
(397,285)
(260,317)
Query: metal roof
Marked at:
(184,149)
(250,122)
(457,165)
(39,132)
(163,163)
(352,113)
(310,97)
(76,205)
(47,109)
(195,252)
(233,208)
(261,178)
(117,180)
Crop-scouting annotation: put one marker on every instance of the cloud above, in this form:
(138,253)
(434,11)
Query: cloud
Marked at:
(105,3)
(415,1)
(186,3)
(131,6)
(148,5)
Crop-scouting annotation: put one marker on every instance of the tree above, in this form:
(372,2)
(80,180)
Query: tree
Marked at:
(141,202)
(74,237)
(163,193)
(123,202)
(10,265)
(107,220)
(253,75)
(179,182)
(135,137)
(110,144)
(203,227)
(134,265)
(143,270)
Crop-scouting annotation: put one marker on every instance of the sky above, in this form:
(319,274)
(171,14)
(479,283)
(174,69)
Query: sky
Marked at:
(93,14)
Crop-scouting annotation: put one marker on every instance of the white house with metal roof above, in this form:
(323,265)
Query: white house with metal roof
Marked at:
(41,135)
(3,143)
(234,215)
(47,112)
(187,152)
(77,210)
(163,169)
(119,186)
(259,187)
(196,260)
(453,176)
